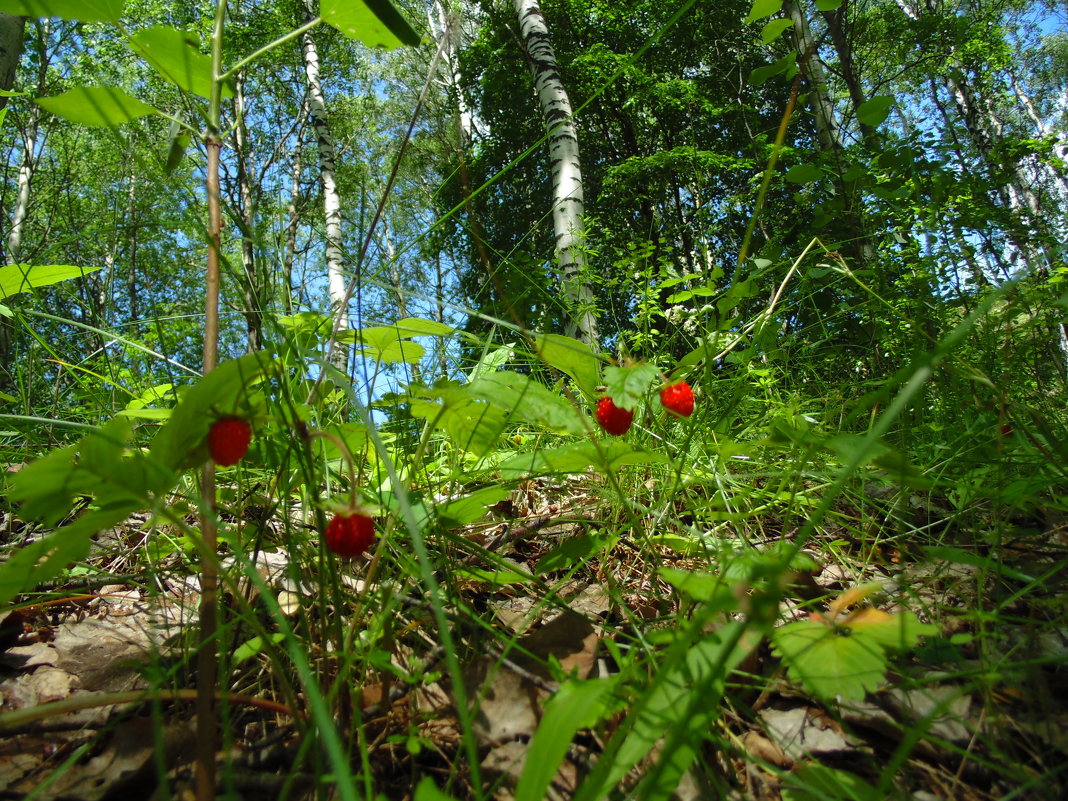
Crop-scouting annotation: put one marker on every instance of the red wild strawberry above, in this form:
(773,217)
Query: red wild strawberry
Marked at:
(677,399)
(228,440)
(612,419)
(350,535)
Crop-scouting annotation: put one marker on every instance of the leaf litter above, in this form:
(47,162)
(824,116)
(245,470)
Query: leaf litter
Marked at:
(956,728)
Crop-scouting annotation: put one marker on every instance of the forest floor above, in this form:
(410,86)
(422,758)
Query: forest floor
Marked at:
(979,712)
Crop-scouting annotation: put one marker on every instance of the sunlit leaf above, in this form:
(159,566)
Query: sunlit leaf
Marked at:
(628,385)
(571,357)
(16,278)
(83,10)
(774,29)
(874,111)
(763,8)
(176,56)
(96,105)
(376,23)
(525,400)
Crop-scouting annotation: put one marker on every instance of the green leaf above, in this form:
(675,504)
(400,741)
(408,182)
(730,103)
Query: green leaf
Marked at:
(874,111)
(573,358)
(827,661)
(525,400)
(784,65)
(96,105)
(376,23)
(803,174)
(462,511)
(700,586)
(15,278)
(471,424)
(84,10)
(763,8)
(576,457)
(46,558)
(828,5)
(628,385)
(176,56)
(181,442)
(576,705)
(774,29)
(179,138)
(417,326)
(568,553)
(252,647)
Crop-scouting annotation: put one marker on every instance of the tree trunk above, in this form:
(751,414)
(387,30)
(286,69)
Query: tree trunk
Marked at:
(568,224)
(335,263)
(12,32)
(252,284)
(22,196)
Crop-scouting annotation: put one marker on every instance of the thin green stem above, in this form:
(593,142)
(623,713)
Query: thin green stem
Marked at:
(281,40)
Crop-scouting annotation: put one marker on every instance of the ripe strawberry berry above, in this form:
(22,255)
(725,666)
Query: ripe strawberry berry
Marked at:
(351,534)
(678,399)
(612,419)
(228,440)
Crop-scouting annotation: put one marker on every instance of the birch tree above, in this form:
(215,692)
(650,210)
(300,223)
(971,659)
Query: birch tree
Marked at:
(335,262)
(568,224)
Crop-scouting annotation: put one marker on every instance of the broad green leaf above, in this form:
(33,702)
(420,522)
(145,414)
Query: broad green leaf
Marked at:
(774,29)
(827,661)
(176,56)
(786,64)
(571,357)
(874,111)
(46,558)
(700,586)
(417,326)
(471,424)
(899,632)
(15,278)
(567,553)
(376,23)
(462,511)
(803,174)
(528,401)
(181,442)
(763,8)
(179,137)
(84,10)
(828,5)
(577,704)
(576,458)
(96,105)
(628,385)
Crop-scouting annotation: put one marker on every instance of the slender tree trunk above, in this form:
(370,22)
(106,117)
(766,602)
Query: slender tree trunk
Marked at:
(12,33)
(568,224)
(828,131)
(252,284)
(293,212)
(22,196)
(335,264)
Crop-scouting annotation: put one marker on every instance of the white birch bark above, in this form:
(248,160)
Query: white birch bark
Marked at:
(335,262)
(22,196)
(568,224)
